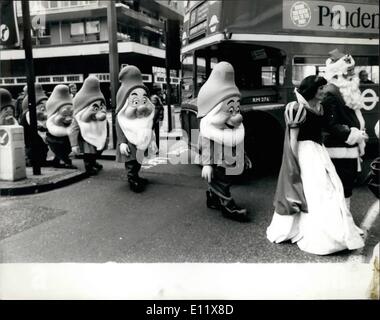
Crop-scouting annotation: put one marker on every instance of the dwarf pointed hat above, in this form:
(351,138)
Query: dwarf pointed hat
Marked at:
(219,86)
(130,78)
(6,99)
(59,97)
(89,93)
(40,96)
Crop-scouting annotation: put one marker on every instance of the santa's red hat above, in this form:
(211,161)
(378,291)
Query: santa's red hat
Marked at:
(218,87)
(40,97)
(6,99)
(59,97)
(130,78)
(89,93)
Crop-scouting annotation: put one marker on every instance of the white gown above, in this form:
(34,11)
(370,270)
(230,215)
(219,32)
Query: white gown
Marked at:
(328,226)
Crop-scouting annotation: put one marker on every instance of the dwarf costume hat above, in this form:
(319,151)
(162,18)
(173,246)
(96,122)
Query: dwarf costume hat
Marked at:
(6,99)
(59,97)
(89,93)
(40,96)
(218,87)
(130,78)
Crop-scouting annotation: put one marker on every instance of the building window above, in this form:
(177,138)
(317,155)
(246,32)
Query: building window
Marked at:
(92,27)
(77,28)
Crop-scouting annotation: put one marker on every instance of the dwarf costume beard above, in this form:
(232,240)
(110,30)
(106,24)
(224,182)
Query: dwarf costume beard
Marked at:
(225,136)
(138,131)
(57,130)
(93,132)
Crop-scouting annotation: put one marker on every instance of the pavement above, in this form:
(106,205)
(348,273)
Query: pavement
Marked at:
(100,220)
(52,178)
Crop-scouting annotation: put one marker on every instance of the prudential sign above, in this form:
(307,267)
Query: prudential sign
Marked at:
(330,16)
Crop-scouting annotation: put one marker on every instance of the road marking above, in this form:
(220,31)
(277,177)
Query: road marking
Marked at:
(369,219)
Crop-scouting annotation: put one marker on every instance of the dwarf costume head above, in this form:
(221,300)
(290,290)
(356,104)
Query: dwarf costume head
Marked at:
(340,71)
(41,99)
(59,108)
(219,107)
(90,113)
(134,110)
(7,108)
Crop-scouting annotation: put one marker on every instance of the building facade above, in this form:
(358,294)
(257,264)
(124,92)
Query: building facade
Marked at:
(70,42)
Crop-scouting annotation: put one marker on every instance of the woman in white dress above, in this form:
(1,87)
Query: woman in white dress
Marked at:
(309,204)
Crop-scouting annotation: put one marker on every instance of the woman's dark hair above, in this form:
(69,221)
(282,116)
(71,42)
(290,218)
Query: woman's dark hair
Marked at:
(309,86)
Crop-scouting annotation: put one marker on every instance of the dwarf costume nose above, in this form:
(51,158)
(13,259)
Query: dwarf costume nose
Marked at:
(100,116)
(236,120)
(219,86)
(59,97)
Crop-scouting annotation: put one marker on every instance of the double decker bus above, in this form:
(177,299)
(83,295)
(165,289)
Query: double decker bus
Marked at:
(273,45)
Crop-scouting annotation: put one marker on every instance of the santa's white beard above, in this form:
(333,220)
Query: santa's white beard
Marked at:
(137,131)
(350,92)
(55,130)
(226,137)
(93,132)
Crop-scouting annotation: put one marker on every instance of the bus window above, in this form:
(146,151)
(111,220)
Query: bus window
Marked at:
(301,72)
(372,71)
(268,76)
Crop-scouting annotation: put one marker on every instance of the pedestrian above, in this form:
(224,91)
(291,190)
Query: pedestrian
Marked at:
(40,146)
(221,140)
(158,117)
(309,203)
(90,130)
(73,89)
(134,122)
(7,108)
(59,109)
(363,76)
(345,126)
(18,106)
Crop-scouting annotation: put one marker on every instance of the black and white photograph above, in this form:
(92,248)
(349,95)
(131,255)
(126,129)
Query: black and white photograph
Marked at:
(189,150)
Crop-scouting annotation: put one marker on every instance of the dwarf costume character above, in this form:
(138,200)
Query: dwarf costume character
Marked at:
(7,109)
(89,129)
(59,109)
(134,122)
(221,139)
(40,145)
(346,138)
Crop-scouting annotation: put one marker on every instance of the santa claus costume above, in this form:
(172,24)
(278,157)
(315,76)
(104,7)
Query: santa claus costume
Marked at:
(345,125)
(221,139)
(59,108)
(89,129)
(309,203)
(7,109)
(40,145)
(134,122)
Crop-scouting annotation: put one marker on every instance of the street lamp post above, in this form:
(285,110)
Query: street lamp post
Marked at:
(113,61)
(30,81)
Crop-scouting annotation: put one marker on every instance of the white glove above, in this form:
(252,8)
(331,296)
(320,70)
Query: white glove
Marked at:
(207,173)
(295,114)
(124,149)
(356,136)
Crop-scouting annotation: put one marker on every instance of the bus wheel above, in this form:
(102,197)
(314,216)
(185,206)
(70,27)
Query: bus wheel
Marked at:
(263,144)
